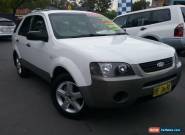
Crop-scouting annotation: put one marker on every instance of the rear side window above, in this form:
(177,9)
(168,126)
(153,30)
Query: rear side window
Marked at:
(148,18)
(183,13)
(121,21)
(139,19)
(24,29)
(162,15)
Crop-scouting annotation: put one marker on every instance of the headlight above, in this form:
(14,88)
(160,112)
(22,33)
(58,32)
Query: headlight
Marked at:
(111,69)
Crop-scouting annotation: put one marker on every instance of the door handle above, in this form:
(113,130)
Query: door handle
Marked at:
(143,28)
(28,45)
(17,40)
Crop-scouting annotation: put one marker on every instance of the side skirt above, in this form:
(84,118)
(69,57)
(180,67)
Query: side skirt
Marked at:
(41,73)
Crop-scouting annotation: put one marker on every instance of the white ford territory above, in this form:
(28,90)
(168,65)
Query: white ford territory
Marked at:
(91,62)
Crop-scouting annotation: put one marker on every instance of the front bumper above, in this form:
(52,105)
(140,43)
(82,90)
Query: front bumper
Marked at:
(106,92)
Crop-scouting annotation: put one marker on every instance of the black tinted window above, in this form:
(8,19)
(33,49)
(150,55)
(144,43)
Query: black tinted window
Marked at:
(139,19)
(161,16)
(121,21)
(183,13)
(25,26)
(38,24)
(179,2)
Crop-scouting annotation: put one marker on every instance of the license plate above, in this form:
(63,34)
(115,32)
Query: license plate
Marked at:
(162,89)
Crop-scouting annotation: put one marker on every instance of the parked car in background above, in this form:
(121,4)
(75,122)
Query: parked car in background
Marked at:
(6,27)
(164,24)
(90,61)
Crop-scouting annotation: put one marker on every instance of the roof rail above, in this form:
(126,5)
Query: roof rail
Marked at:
(39,10)
(36,10)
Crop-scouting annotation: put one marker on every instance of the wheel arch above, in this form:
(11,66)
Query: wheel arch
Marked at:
(59,70)
(75,74)
(151,37)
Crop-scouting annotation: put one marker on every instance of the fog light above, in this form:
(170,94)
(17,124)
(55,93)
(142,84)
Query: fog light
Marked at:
(120,97)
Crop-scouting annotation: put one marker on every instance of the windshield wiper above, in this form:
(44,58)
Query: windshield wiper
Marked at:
(93,35)
(122,33)
(86,35)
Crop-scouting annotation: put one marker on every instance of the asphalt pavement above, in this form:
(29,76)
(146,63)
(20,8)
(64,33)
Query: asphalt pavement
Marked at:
(26,109)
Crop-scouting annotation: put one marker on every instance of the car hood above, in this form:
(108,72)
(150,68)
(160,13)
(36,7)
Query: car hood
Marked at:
(119,48)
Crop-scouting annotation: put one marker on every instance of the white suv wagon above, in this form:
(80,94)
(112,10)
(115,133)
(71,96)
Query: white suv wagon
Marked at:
(91,62)
(164,24)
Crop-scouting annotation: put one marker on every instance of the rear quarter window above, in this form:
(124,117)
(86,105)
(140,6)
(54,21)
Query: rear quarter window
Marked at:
(183,13)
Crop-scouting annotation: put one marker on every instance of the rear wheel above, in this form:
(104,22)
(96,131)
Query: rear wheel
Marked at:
(67,97)
(22,71)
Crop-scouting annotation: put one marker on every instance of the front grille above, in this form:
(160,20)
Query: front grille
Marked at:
(157,65)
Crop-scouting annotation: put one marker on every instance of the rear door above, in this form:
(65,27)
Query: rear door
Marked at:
(137,22)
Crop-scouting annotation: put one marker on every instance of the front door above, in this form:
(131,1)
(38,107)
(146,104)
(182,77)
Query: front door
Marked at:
(38,55)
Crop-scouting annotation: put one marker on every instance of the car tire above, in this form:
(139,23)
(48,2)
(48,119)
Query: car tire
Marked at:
(67,97)
(22,71)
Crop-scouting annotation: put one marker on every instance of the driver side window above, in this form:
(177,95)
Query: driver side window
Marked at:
(38,24)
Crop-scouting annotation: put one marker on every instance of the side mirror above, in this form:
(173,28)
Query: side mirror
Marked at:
(125,30)
(37,35)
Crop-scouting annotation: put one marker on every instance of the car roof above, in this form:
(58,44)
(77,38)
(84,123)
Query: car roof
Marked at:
(149,9)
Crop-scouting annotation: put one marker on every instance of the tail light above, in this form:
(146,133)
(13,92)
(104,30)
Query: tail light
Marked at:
(179,30)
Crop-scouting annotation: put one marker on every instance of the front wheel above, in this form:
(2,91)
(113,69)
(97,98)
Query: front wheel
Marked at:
(67,97)
(22,72)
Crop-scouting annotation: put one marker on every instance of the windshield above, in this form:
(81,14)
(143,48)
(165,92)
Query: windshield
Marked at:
(72,25)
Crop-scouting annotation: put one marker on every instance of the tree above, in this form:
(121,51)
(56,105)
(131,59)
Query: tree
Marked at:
(100,6)
(139,5)
(33,4)
(11,5)
(63,4)
(111,14)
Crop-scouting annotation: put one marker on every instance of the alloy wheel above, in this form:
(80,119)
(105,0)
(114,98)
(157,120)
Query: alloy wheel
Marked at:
(18,66)
(69,97)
